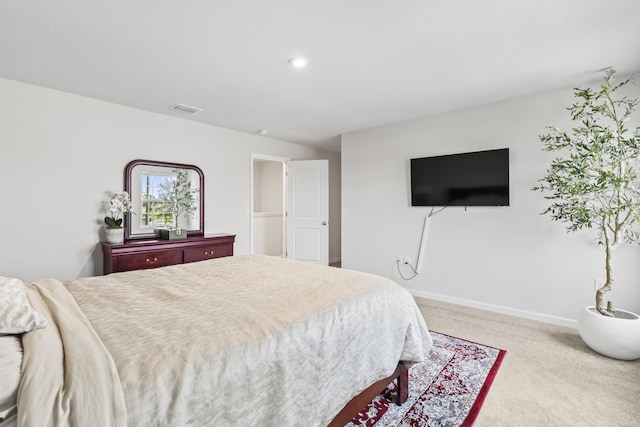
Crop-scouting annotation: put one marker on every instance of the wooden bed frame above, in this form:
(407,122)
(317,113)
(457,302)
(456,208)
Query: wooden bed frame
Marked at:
(356,404)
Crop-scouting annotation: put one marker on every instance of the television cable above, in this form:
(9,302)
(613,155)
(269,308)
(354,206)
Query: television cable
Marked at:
(423,242)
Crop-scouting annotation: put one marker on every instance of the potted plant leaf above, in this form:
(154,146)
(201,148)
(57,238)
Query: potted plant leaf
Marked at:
(595,183)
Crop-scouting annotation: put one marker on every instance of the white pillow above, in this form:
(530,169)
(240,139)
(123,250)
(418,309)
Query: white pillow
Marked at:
(10,372)
(16,314)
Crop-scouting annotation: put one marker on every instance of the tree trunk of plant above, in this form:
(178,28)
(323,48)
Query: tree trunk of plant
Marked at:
(600,304)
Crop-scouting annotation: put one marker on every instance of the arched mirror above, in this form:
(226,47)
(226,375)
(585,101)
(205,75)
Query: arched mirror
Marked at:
(152,186)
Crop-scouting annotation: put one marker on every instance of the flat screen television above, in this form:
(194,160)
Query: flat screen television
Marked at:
(478,178)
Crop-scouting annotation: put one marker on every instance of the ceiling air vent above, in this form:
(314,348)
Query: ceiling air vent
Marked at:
(186,108)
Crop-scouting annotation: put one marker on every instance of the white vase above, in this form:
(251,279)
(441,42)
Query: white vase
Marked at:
(115,235)
(617,337)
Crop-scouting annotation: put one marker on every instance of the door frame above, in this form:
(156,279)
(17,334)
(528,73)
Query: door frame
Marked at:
(283,160)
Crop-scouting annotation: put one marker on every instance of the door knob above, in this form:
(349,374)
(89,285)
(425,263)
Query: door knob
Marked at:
(324,222)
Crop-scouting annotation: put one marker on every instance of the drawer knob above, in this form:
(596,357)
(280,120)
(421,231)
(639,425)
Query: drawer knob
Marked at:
(208,253)
(151,262)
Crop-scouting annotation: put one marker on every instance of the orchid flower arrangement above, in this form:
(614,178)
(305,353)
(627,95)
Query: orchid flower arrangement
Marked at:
(119,205)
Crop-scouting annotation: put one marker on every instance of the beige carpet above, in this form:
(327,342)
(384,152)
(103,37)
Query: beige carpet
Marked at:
(549,377)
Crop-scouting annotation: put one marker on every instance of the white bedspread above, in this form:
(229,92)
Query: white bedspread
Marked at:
(249,340)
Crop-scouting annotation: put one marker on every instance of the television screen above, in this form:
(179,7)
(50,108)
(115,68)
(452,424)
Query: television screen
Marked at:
(479,178)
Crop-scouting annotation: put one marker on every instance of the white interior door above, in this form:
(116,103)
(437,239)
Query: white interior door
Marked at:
(308,211)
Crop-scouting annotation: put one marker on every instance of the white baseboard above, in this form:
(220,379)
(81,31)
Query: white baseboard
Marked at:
(555,320)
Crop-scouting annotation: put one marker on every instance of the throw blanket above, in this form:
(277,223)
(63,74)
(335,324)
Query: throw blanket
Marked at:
(247,340)
(68,376)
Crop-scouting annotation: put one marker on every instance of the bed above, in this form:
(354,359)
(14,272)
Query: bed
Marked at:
(242,340)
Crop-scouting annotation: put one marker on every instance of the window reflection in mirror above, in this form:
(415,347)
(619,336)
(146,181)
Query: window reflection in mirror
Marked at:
(150,184)
(155,210)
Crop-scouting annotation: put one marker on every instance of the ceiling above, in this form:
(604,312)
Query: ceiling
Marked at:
(371,62)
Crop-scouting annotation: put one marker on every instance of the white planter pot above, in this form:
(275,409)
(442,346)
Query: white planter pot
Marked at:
(115,235)
(617,337)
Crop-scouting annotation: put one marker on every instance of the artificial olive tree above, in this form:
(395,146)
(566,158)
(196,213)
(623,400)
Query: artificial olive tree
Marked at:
(594,183)
(179,194)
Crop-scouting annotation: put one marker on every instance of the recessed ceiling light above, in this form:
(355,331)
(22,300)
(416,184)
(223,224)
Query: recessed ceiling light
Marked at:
(263,132)
(299,61)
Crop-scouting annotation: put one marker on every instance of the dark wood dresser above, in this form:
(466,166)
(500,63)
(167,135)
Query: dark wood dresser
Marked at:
(143,254)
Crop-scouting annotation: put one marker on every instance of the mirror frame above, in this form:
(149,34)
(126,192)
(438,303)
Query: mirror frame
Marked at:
(137,192)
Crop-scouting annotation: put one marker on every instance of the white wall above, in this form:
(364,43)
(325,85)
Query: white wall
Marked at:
(61,153)
(507,259)
(268,233)
(335,209)
(268,186)
(268,199)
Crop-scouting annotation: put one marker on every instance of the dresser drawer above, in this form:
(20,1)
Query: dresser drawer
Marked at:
(153,259)
(207,252)
(143,254)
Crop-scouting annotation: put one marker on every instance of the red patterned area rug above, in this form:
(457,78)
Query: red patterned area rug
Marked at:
(447,389)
